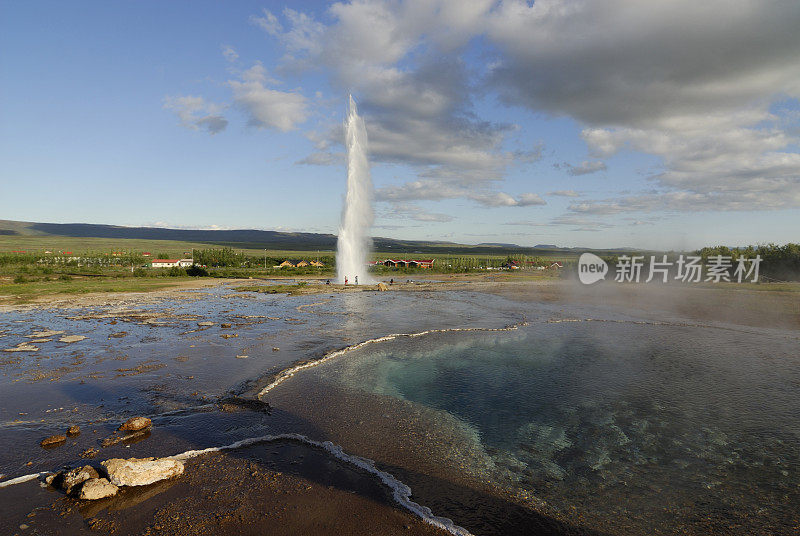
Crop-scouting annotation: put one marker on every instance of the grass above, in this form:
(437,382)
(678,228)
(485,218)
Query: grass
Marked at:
(291,290)
(174,248)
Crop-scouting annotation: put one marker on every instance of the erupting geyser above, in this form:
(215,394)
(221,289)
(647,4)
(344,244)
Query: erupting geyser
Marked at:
(353,243)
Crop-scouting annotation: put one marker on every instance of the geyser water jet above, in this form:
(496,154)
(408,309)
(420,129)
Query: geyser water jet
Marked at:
(354,240)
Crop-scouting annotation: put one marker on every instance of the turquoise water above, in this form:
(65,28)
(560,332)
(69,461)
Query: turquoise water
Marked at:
(676,428)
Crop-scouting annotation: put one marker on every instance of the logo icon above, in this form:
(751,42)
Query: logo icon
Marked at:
(591,268)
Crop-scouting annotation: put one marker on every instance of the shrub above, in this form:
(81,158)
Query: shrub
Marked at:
(197,271)
(176,271)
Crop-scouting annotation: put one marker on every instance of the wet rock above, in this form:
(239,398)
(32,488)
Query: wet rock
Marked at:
(39,341)
(22,348)
(275,349)
(97,488)
(91,452)
(229,335)
(134,424)
(53,440)
(542,439)
(205,324)
(241,357)
(235,403)
(226,326)
(73,430)
(46,333)
(72,338)
(118,335)
(131,437)
(141,471)
(70,480)
(382,287)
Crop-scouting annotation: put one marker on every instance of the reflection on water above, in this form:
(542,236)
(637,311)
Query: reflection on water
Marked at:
(636,428)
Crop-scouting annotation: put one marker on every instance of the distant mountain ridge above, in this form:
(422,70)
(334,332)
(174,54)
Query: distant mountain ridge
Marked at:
(258,239)
(241,238)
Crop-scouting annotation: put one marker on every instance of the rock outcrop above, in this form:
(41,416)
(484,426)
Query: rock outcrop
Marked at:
(141,471)
(70,480)
(97,488)
(53,440)
(134,424)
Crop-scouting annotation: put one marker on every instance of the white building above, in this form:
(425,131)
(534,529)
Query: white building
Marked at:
(165,263)
(169,263)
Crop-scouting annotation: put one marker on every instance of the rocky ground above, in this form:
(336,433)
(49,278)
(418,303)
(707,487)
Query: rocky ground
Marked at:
(273,488)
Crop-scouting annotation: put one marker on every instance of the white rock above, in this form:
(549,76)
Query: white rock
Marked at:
(22,348)
(72,338)
(46,333)
(97,488)
(141,471)
(203,324)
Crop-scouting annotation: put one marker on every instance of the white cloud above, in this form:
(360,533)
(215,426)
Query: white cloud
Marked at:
(322,159)
(580,223)
(565,193)
(402,61)
(690,82)
(432,190)
(500,199)
(584,168)
(268,22)
(197,114)
(414,212)
(265,107)
(230,53)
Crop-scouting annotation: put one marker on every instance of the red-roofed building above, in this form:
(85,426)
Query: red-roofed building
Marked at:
(169,263)
(405,263)
(165,263)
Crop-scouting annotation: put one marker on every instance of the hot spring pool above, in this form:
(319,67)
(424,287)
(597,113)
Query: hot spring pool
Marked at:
(627,427)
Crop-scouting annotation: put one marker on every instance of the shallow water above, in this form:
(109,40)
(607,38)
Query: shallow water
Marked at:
(165,362)
(628,427)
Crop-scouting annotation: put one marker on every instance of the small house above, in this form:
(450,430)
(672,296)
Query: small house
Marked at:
(165,263)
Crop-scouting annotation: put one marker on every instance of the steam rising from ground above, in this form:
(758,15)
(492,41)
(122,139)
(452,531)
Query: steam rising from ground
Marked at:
(354,241)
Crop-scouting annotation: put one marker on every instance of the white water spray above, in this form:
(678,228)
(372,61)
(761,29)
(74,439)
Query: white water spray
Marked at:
(354,240)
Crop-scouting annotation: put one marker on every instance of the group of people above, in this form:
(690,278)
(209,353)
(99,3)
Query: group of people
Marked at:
(346,281)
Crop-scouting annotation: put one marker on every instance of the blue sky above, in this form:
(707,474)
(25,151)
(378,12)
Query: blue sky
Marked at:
(669,125)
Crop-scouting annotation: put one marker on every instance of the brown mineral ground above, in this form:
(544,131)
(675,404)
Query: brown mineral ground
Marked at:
(273,488)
